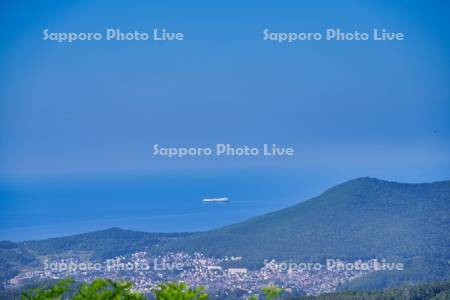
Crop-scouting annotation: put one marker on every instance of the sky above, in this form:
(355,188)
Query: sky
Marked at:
(349,108)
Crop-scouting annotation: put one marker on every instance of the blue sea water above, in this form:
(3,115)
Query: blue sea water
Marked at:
(169,202)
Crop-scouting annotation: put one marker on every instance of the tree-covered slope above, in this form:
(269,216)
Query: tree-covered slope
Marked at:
(13,258)
(363,218)
(102,244)
(430,291)
(95,246)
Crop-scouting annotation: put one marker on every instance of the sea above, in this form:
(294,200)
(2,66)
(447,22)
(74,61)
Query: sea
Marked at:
(166,202)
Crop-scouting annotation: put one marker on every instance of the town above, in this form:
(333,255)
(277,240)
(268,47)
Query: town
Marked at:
(218,275)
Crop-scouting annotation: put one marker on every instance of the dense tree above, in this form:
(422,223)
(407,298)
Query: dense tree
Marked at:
(179,291)
(105,289)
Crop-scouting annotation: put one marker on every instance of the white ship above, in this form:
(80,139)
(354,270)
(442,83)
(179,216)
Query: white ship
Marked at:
(223,199)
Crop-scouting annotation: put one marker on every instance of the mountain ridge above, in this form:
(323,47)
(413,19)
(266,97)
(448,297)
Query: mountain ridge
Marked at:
(363,218)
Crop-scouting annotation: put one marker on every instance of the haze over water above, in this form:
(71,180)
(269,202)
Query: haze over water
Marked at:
(163,203)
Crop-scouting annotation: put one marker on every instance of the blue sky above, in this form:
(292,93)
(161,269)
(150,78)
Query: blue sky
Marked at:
(353,108)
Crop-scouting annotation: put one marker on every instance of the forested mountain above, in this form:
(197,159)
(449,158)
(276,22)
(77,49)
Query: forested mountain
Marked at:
(364,218)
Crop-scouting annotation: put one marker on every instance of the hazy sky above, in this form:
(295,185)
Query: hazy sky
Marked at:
(365,108)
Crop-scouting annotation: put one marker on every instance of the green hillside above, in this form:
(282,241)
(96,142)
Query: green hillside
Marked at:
(14,258)
(361,219)
(431,291)
(95,246)
(102,244)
